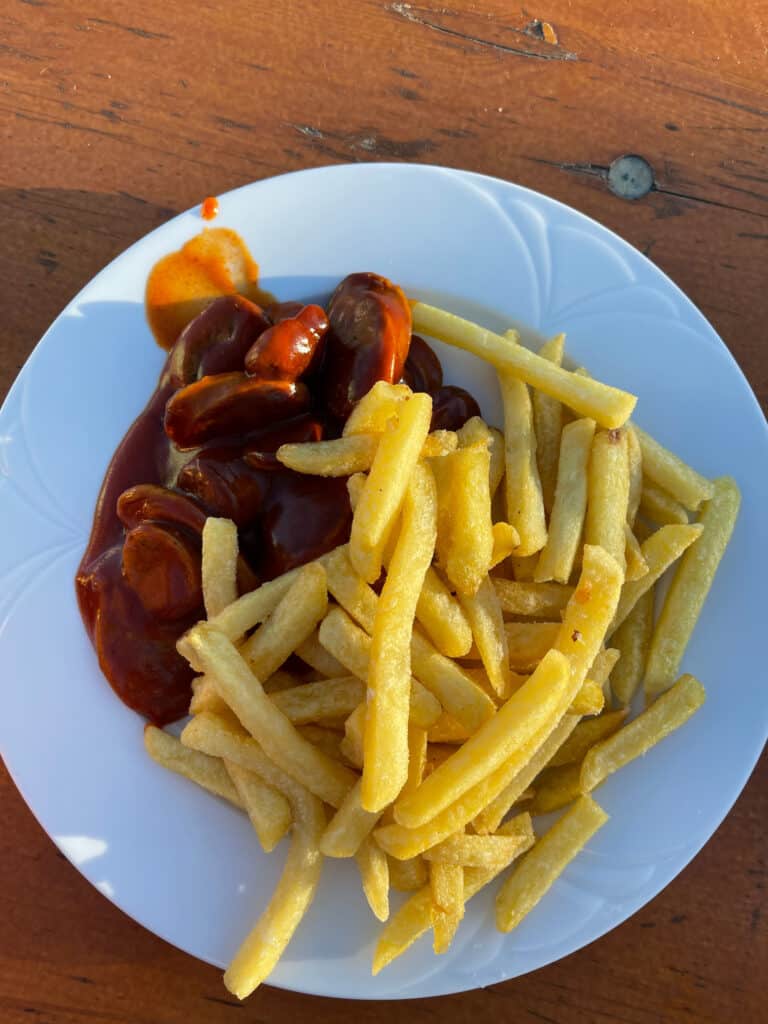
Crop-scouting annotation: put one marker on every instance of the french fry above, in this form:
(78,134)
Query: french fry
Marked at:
(290,624)
(660,550)
(373,865)
(401,842)
(385,762)
(636,564)
(282,680)
(660,507)
(538,704)
(354,730)
(340,456)
(690,586)
(243,692)
(375,410)
(505,540)
(548,424)
(472,851)
(524,566)
(352,646)
(349,826)
(442,617)
(590,699)
(608,493)
(545,862)
(468,557)
(586,734)
(439,442)
(672,474)
(555,788)
(380,500)
(202,769)
(219,564)
(632,639)
(635,464)
(532,600)
(446,885)
(205,697)
(407,875)
(417,758)
(355,486)
(267,808)
(603,665)
(447,730)
(671,710)
(414,917)
(608,406)
(477,431)
(290,899)
(321,700)
(525,505)
(312,652)
(483,610)
(326,739)
(489,818)
(568,510)
(528,642)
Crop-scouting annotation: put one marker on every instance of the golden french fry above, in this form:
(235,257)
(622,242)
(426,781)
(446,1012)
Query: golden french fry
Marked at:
(474,851)
(352,744)
(442,618)
(380,500)
(632,639)
(635,463)
(555,788)
(660,550)
(447,730)
(568,510)
(290,624)
(590,700)
(373,865)
(525,505)
(290,899)
(352,646)
(690,586)
(414,917)
(326,739)
(546,861)
(385,761)
(671,710)
(497,460)
(375,410)
(340,456)
(533,600)
(529,641)
(524,566)
(536,705)
(202,769)
(312,652)
(601,668)
(401,842)
(489,817)
(321,700)
(477,431)
(586,734)
(660,507)
(608,493)
(349,826)
(219,564)
(268,809)
(355,486)
(636,564)
(483,610)
(242,691)
(470,548)
(548,425)
(446,885)
(505,540)
(672,474)
(407,875)
(439,442)
(205,697)
(607,405)
(282,680)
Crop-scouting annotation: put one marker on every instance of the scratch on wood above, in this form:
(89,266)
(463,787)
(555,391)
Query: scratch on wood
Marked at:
(143,33)
(415,15)
(367,140)
(29,58)
(227,122)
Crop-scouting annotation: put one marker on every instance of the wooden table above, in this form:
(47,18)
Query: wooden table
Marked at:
(116,115)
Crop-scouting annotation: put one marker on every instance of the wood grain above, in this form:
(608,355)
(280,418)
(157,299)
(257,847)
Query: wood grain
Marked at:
(114,116)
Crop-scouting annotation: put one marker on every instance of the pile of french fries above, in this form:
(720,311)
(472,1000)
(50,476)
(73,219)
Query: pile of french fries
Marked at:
(490,673)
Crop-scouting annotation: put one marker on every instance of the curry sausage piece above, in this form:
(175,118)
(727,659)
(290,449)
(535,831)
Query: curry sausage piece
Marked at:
(368,340)
(162,566)
(216,340)
(286,350)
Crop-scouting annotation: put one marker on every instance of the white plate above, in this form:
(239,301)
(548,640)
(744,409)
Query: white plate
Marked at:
(184,864)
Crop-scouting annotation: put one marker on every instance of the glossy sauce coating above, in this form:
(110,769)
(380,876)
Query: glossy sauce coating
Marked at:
(209,208)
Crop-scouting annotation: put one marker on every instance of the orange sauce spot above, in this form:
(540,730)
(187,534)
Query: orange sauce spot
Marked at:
(583,593)
(209,208)
(214,263)
(550,36)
